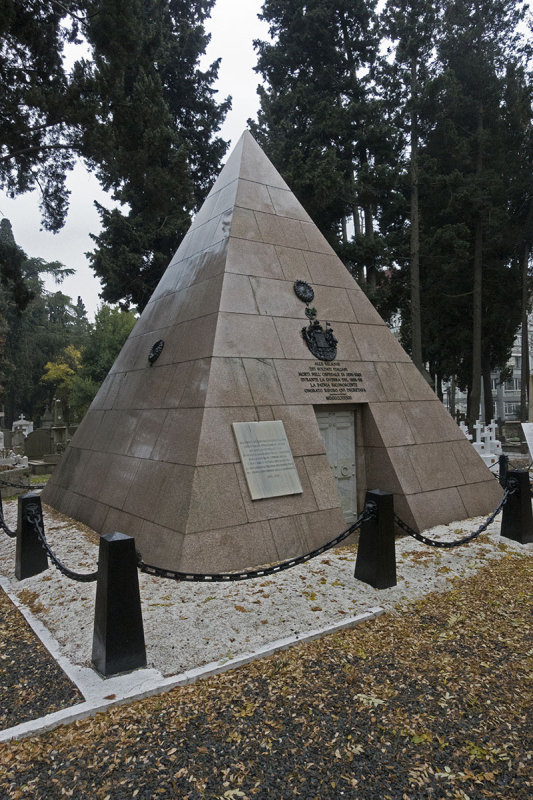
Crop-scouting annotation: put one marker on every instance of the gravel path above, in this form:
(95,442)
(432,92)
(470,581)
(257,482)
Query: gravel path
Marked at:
(189,625)
(429,701)
(31,683)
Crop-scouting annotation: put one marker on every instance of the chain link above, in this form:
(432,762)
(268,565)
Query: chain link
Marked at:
(435,543)
(23,485)
(34,518)
(368,513)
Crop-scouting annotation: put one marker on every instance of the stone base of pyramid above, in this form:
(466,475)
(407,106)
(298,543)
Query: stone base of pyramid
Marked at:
(156,455)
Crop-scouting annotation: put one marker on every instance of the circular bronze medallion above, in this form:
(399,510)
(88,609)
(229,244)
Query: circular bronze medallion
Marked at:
(304,292)
(155,352)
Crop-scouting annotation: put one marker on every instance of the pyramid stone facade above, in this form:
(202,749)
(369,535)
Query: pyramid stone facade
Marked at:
(156,456)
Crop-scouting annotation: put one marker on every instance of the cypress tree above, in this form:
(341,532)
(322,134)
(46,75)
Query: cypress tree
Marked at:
(316,121)
(148,129)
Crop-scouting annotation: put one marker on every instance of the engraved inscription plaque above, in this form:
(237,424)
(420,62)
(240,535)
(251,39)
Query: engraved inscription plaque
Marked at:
(267,459)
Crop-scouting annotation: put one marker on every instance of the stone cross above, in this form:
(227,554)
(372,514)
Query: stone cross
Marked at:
(478,427)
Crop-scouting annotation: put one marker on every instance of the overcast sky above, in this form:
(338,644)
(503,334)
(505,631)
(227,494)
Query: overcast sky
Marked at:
(233,27)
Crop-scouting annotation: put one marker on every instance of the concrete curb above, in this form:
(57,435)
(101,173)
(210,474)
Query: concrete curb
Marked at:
(101,694)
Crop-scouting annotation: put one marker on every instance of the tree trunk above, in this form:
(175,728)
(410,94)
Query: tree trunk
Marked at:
(438,387)
(356,221)
(477,317)
(371,272)
(416,322)
(524,383)
(487,389)
(452,396)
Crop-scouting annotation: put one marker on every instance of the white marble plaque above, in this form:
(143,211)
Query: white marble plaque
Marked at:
(267,459)
(527,427)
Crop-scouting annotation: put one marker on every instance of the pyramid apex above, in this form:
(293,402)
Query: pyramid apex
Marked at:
(248,161)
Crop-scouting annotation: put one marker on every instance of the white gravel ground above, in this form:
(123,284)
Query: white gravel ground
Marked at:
(189,625)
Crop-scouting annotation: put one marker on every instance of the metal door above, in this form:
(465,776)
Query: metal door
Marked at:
(338,431)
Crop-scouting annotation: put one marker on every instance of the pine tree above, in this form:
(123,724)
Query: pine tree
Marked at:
(36,139)
(137,109)
(468,226)
(316,121)
(412,26)
(149,119)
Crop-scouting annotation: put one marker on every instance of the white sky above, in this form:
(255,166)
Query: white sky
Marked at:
(233,27)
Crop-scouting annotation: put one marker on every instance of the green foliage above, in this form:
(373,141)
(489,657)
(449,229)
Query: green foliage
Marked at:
(110,330)
(148,131)
(137,108)
(316,120)
(36,142)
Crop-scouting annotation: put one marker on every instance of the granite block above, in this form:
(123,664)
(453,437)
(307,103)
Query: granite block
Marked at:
(244,335)
(217,442)
(417,387)
(228,384)
(293,264)
(435,466)
(472,466)
(430,422)
(393,386)
(146,433)
(231,169)
(263,380)
(432,508)
(86,432)
(283,506)
(237,547)
(391,424)
(188,340)
(254,196)
(364,311)
(244,225)
(163,544)
(323,526)
(302,429)
(255,167)
(326,269)
(315,240)
(276,298)
(237,294)
(253,258)
(480,499)
(179,436)
(196,383)
(286,205)
(377,343)
(291,536)
(153,480)
(281,230)
(322,481)
(174,497)
(216,499)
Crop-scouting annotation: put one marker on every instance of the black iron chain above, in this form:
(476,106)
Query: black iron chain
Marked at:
(4,527)
(435,543)
(368,513)
(23,485)
(34,517)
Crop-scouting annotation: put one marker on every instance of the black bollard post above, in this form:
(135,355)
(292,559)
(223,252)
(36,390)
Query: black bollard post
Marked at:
(503,463)
(517,519)
(30,555)
(376,556)
(118,638)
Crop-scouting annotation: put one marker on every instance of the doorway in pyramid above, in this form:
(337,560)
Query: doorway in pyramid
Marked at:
(258,397)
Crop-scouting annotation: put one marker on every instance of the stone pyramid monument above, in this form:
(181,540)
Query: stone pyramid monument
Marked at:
(258,397)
